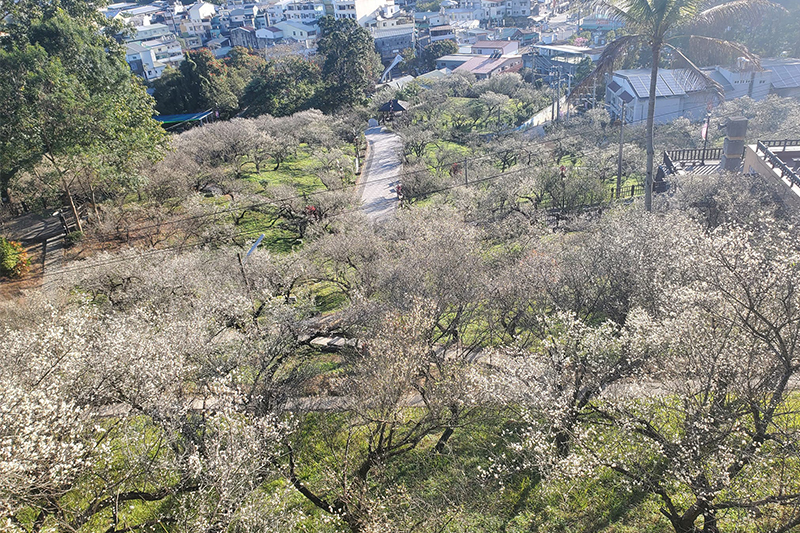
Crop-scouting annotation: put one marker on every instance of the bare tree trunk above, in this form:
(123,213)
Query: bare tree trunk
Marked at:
(94,202)
(72,204)
(651,115)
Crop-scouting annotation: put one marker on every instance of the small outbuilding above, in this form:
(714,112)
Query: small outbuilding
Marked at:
(393,108)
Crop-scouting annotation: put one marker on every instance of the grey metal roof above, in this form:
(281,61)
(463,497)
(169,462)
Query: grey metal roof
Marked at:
(394,31)
(719,78)
(785,74)
(669,82)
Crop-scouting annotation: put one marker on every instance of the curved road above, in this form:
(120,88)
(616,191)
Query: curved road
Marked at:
(381,174)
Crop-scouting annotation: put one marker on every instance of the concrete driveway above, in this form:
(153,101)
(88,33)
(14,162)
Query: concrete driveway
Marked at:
(381,174)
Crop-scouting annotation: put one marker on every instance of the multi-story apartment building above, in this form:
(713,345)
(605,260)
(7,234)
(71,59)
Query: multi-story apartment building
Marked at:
(518,8)
(304,12)
(263,19)
(149,32)
(497,10)
(167,49)
(242,16)
(195,28)
(143,62)
(362,11)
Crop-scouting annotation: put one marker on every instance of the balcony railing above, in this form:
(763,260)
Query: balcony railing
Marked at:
(781,144)
(763,149)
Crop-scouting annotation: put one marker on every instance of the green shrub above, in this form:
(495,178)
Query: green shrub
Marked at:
(74,237)
(14,259)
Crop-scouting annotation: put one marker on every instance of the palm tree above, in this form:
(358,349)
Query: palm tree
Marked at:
(664,24)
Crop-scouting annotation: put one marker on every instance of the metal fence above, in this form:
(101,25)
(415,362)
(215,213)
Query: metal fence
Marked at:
(763,148)
(781,144)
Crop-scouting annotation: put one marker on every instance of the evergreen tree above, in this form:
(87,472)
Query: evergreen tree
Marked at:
(351,66)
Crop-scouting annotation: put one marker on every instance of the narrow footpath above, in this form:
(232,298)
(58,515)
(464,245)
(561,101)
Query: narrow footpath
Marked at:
(381,174)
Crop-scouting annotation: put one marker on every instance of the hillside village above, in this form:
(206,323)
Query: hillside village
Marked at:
(541,39)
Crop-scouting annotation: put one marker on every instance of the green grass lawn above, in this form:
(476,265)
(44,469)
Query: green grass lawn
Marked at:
(298,171)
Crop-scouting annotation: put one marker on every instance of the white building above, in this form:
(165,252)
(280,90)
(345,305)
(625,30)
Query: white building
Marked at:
(242,16)
(742,80)
(297,31)
(112,10)
(461,14)
(149,32)
(137,16)
(166,50)
(304,12)
(143,61)
(518,8)
(362,11)
(497,10)
(201,11)
(195,28)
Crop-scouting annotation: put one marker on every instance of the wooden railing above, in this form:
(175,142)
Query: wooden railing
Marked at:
(697,155)
(763,148)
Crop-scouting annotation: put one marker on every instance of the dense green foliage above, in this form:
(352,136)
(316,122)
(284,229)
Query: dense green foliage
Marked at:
(282,87)
(246,82)
(71,109)
(351,64)
(13,258)
(776,34)
(203,82)
(434,51)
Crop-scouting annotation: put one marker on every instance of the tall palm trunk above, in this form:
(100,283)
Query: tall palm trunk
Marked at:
(651,115)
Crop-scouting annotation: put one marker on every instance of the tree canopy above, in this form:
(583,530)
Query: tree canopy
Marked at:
(70,102)
(351,66)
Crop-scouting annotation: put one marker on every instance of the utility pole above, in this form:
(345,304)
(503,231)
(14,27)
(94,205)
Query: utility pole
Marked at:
(569,93)
(621,138)
(558,97)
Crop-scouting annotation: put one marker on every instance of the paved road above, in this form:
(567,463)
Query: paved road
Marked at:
(381,174)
